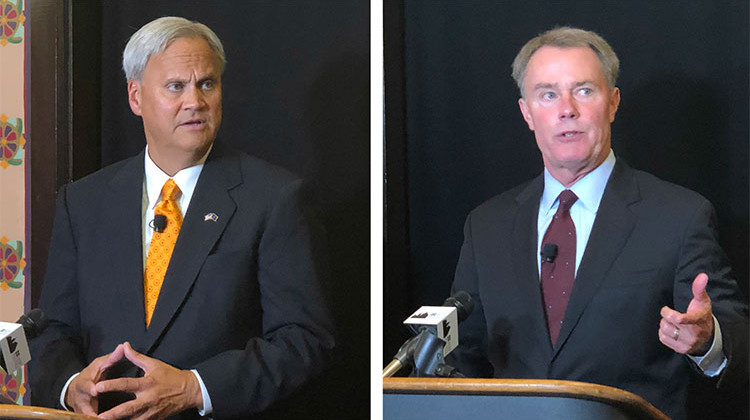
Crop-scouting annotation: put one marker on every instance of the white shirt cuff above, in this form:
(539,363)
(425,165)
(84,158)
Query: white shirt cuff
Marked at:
(714,361)
(207,407)
(64,390)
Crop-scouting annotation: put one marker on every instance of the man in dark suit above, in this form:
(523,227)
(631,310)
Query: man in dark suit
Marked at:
(594,271)
(229,316)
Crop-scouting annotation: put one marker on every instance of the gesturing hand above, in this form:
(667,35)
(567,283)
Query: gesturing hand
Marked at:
(81,395)
(691,332)
(163,390)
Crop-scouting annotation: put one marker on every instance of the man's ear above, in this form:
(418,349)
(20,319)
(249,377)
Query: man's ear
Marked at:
(526,113)
(134,96)
(614,103)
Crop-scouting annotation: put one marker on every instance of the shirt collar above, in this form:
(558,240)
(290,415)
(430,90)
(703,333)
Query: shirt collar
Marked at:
(589,189)
(186,179)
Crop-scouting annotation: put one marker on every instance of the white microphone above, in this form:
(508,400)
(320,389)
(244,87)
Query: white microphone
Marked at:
(440,321)
(14,347)
(15,350)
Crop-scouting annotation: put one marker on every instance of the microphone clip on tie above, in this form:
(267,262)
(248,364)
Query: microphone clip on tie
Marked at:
(549,252)
(158,223)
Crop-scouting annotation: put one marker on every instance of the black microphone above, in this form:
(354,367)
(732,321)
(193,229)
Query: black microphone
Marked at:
(464,306)
(33,323)
(463,303)
(159,223)
(14,353)
(549,252)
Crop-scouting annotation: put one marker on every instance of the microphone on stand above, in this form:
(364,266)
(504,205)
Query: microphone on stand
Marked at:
(14,347)
(436,334)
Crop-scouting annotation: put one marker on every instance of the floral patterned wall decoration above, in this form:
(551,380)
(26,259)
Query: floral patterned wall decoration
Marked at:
(12,141)
(12,264)
(12,385)
(13,182)
(11,21)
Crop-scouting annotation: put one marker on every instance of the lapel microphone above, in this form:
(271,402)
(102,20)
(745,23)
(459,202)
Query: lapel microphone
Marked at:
(549,252)
(159,223)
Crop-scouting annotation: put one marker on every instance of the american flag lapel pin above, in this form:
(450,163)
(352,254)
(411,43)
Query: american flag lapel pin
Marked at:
(210,216)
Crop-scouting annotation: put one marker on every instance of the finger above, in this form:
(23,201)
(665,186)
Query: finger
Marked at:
(699,288)
(82,402)
(88,410)
(668,329)
(671,315)
(667,338)
(142,361)
(117,354)
(124,410)
(110,359)
(119,384)
(91,409)
(102,363)
(666,326)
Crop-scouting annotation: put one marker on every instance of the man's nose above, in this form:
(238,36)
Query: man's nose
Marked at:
(193,98)
(568,107)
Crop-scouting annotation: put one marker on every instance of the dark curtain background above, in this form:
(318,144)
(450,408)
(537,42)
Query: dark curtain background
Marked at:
(296,93)
(460,138)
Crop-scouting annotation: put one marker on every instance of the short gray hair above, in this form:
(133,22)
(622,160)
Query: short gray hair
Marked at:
(154,37)
(567,37)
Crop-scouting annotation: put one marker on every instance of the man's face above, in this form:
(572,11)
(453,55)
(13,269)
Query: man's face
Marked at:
(179,100)
(570,107)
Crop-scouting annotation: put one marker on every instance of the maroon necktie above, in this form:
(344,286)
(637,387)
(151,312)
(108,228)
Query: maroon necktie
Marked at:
(558,275)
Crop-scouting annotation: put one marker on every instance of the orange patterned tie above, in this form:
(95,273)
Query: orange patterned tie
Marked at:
(162,244)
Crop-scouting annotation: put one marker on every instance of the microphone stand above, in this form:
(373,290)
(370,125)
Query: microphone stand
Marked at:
(424,352)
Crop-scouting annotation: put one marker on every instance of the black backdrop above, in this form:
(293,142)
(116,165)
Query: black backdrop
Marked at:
(296,93)
(456,137)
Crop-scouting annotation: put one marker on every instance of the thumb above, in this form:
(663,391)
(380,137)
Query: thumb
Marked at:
(699,288)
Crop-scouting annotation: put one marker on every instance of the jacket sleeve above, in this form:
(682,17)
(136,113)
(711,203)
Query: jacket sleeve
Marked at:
(296,340)
(700,252)
(57,353)
(470,357)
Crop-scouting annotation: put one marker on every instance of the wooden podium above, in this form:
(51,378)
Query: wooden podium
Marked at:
(516,399)
(9,411)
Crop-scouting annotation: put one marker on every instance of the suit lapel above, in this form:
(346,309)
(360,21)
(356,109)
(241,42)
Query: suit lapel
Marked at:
(613,225)
(198,236)
(524,258)
(125,197)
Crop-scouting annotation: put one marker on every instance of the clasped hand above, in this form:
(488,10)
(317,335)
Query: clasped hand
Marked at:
(162,391)
(691,332)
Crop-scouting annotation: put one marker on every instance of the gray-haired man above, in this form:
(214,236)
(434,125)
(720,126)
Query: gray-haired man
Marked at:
(185,280)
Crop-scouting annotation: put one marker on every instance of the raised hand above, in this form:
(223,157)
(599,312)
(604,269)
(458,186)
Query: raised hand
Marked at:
(691,332)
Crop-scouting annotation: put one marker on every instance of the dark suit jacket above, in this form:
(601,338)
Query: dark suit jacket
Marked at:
(241,301)
(649,241)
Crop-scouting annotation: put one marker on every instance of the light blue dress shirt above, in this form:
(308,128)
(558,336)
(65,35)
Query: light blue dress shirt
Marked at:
(590,190)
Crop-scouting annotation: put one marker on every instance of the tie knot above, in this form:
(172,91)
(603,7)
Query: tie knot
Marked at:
(567,198)
(170,190)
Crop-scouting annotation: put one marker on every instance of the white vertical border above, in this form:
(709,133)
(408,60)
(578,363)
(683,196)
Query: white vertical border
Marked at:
(377,146)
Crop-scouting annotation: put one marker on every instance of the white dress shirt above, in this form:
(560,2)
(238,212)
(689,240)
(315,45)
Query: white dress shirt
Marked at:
(153,181)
